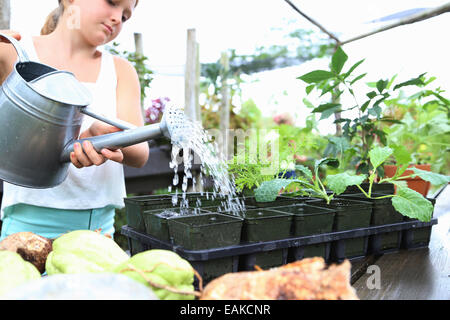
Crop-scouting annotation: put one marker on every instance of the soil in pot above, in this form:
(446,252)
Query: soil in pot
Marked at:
(309,220)
(382,213)
(350,214)
(207,231)
(416,183)
(264,224)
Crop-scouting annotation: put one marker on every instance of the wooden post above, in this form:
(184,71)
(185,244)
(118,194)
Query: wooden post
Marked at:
(226,145)
(139,48)
(192,78)
(5,14)
(192,91)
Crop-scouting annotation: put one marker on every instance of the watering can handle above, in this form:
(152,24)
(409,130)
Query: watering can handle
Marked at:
(117,140)
(22,55)
(114,122)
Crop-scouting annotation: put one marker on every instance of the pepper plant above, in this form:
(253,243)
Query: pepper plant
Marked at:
(363,131)
(406,201)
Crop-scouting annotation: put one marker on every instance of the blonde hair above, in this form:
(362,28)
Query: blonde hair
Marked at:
(52,19)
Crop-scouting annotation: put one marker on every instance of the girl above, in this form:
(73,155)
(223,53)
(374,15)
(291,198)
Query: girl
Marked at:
(95,185)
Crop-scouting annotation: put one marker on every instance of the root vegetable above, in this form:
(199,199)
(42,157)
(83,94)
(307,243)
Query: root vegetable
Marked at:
(31,247)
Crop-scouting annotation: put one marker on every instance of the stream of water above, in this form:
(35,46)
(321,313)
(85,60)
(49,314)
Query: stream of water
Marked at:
(192,138)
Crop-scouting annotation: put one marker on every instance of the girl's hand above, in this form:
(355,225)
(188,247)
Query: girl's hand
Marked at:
(10,33)
(85,155)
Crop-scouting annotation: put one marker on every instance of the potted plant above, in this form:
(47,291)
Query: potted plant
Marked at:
(407,202)
(423,133)
(375,121)
(350,214)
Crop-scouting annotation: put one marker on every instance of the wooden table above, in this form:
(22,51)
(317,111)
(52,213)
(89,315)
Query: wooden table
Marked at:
(417,274)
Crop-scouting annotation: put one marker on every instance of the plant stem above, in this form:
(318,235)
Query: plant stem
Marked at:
(362,190)
(398,178)
(386,196)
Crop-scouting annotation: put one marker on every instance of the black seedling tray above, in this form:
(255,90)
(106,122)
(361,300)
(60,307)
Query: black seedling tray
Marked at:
(249,248)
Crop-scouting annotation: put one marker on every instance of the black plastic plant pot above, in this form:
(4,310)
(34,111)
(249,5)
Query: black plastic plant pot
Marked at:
(264,224)
(279,201)
(418,237)
(309,220)
(384,188)
(156,221)
(350,214)
(134,208)
(211,202)
(383,213)
(208,231)
(205,230)
(205,199)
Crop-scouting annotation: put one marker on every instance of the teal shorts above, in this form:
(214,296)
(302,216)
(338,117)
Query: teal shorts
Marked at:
(52,223)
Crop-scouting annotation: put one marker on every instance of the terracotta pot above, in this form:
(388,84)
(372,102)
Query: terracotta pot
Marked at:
(416,183)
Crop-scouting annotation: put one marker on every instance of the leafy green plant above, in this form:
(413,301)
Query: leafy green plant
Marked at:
(249,170)
(406,201)
(425,131)
(306,183)
(362,132)
(139,63)
(247,166)
(247,176)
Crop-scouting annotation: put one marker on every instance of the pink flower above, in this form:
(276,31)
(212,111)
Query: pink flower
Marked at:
(153,114)
(284,118)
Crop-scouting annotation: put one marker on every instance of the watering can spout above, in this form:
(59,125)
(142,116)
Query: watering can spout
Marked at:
(121,139)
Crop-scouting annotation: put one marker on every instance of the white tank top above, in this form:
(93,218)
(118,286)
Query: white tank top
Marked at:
(85,188)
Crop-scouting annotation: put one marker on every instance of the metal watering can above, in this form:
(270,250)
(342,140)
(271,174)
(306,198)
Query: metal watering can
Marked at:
(41,109)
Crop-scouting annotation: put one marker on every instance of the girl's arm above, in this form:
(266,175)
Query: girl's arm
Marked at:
(128,95)
(129,109)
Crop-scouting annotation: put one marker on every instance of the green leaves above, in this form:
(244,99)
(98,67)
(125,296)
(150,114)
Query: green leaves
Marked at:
(381,85)
(379,155)
(339,182)
(415,81)
(337,63)
(305,171)
(401,155)
(412,204)
(353,68)
(332,162)
(338,60)
(269,190)
(316,76)
(433,178)
(327,109)
(326,106)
